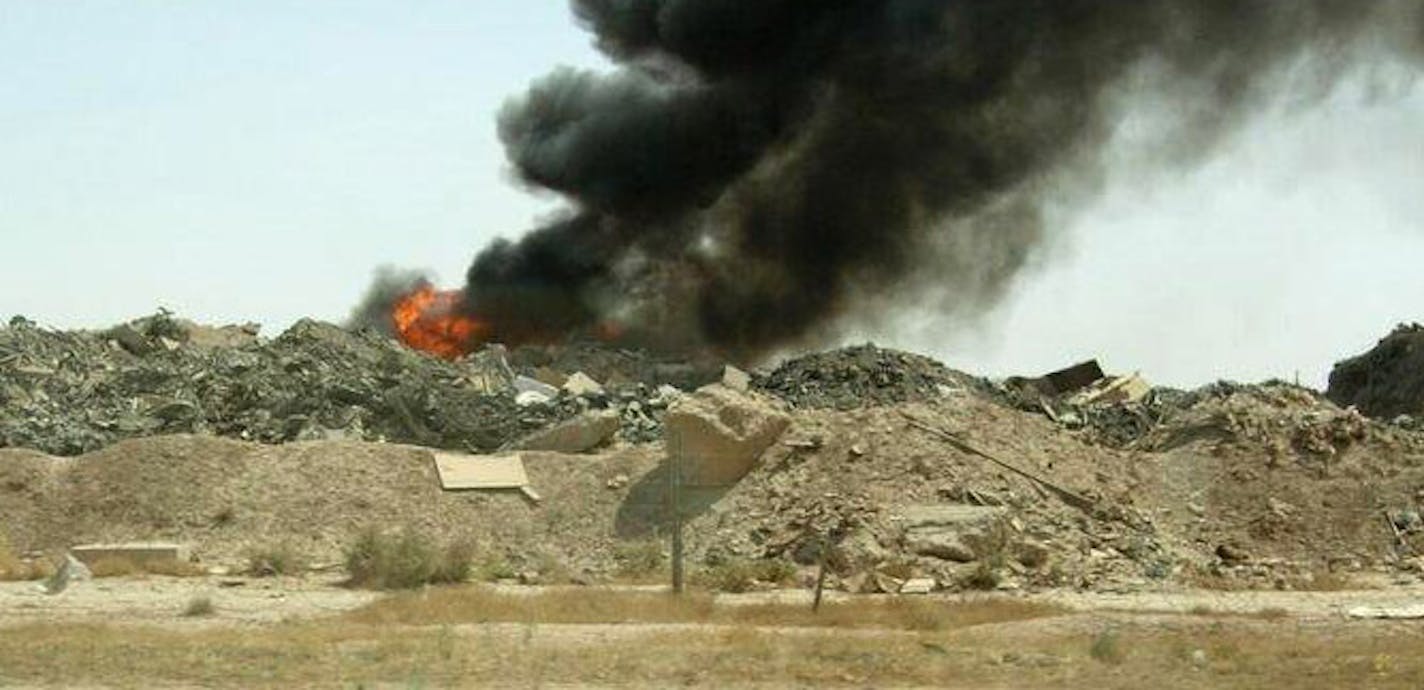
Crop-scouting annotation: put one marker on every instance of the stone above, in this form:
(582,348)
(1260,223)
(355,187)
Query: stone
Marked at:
(618,482)
(948,532)
(942,545)
(579,434)
(580,384)
(525,384)
(736,379)
(527,398)
(1031,553)
(70,571)
(918,585)
(717,435)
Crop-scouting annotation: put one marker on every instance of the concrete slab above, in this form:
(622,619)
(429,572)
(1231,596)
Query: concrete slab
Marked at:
(138,553)
(460,471)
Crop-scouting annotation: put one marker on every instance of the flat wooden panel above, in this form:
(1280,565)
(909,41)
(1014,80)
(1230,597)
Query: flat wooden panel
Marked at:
(503,471)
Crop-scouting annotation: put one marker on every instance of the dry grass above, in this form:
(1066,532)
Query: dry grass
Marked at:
(405,560)
(1321,580)
(281,558)
(199,607)
(339,653)
(118,566)
(743,574)
(479,604)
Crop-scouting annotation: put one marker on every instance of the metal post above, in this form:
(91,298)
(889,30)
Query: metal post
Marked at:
(821,574)
(675,499)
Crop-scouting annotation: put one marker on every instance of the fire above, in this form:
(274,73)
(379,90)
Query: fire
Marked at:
(429,320)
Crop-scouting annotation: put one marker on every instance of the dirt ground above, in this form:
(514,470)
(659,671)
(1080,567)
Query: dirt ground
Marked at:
(131,632)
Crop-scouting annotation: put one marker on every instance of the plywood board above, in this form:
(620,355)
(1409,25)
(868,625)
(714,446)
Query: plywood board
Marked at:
(458,471)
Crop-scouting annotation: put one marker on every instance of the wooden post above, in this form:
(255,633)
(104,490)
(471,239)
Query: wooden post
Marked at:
(675,502)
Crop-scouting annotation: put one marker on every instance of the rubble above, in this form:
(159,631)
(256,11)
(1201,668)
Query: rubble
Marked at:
(66,393)
(575,435)
(853,377)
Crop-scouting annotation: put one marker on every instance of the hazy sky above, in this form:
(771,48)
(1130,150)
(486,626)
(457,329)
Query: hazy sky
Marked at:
(254,160)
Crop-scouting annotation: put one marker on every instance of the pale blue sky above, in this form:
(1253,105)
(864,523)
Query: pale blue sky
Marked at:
(257,160)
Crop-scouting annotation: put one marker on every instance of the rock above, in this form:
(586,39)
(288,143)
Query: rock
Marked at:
(918,585)
(72,570)
(716,435)
(1031,553)
(525,384)
(948,532)
(944,545)
(584,432)
(1199,658)
(527,398)
(1232,554)
(736,379)
(580,384)
(618,481)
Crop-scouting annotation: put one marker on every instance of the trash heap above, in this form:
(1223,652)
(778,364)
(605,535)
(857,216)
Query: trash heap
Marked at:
(67,393)
(860,376)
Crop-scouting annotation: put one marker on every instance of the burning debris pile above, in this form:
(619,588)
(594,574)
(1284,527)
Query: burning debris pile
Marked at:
(67,393)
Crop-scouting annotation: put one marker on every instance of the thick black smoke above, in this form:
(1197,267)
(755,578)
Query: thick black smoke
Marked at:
(776,166)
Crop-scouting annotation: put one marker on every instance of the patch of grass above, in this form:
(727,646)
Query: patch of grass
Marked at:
(282,558)
(1320,580)
(405,560)
(1241,654)
(1107,648)
(742,574)
(495,568)
(118,566)
(640,561)
(199,607)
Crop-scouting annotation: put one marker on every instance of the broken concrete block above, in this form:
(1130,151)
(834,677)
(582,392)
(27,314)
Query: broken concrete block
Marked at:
(581,384)
(584,432)
(716,435)
(138,553)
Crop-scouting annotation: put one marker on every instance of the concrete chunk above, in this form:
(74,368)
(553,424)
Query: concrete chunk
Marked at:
(584,432)
(717,435)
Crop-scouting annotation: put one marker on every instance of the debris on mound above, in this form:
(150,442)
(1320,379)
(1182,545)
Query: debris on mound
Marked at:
(1387,381)
(617,366)
(859,376)
(67,393)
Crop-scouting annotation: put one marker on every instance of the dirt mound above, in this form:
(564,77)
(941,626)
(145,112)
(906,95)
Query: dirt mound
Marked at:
(225,497)
(852,377)
(1387,381)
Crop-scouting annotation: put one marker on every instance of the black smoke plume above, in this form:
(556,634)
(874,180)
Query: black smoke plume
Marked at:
(757,171)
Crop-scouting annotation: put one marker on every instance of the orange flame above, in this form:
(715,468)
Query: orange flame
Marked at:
(429,320)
